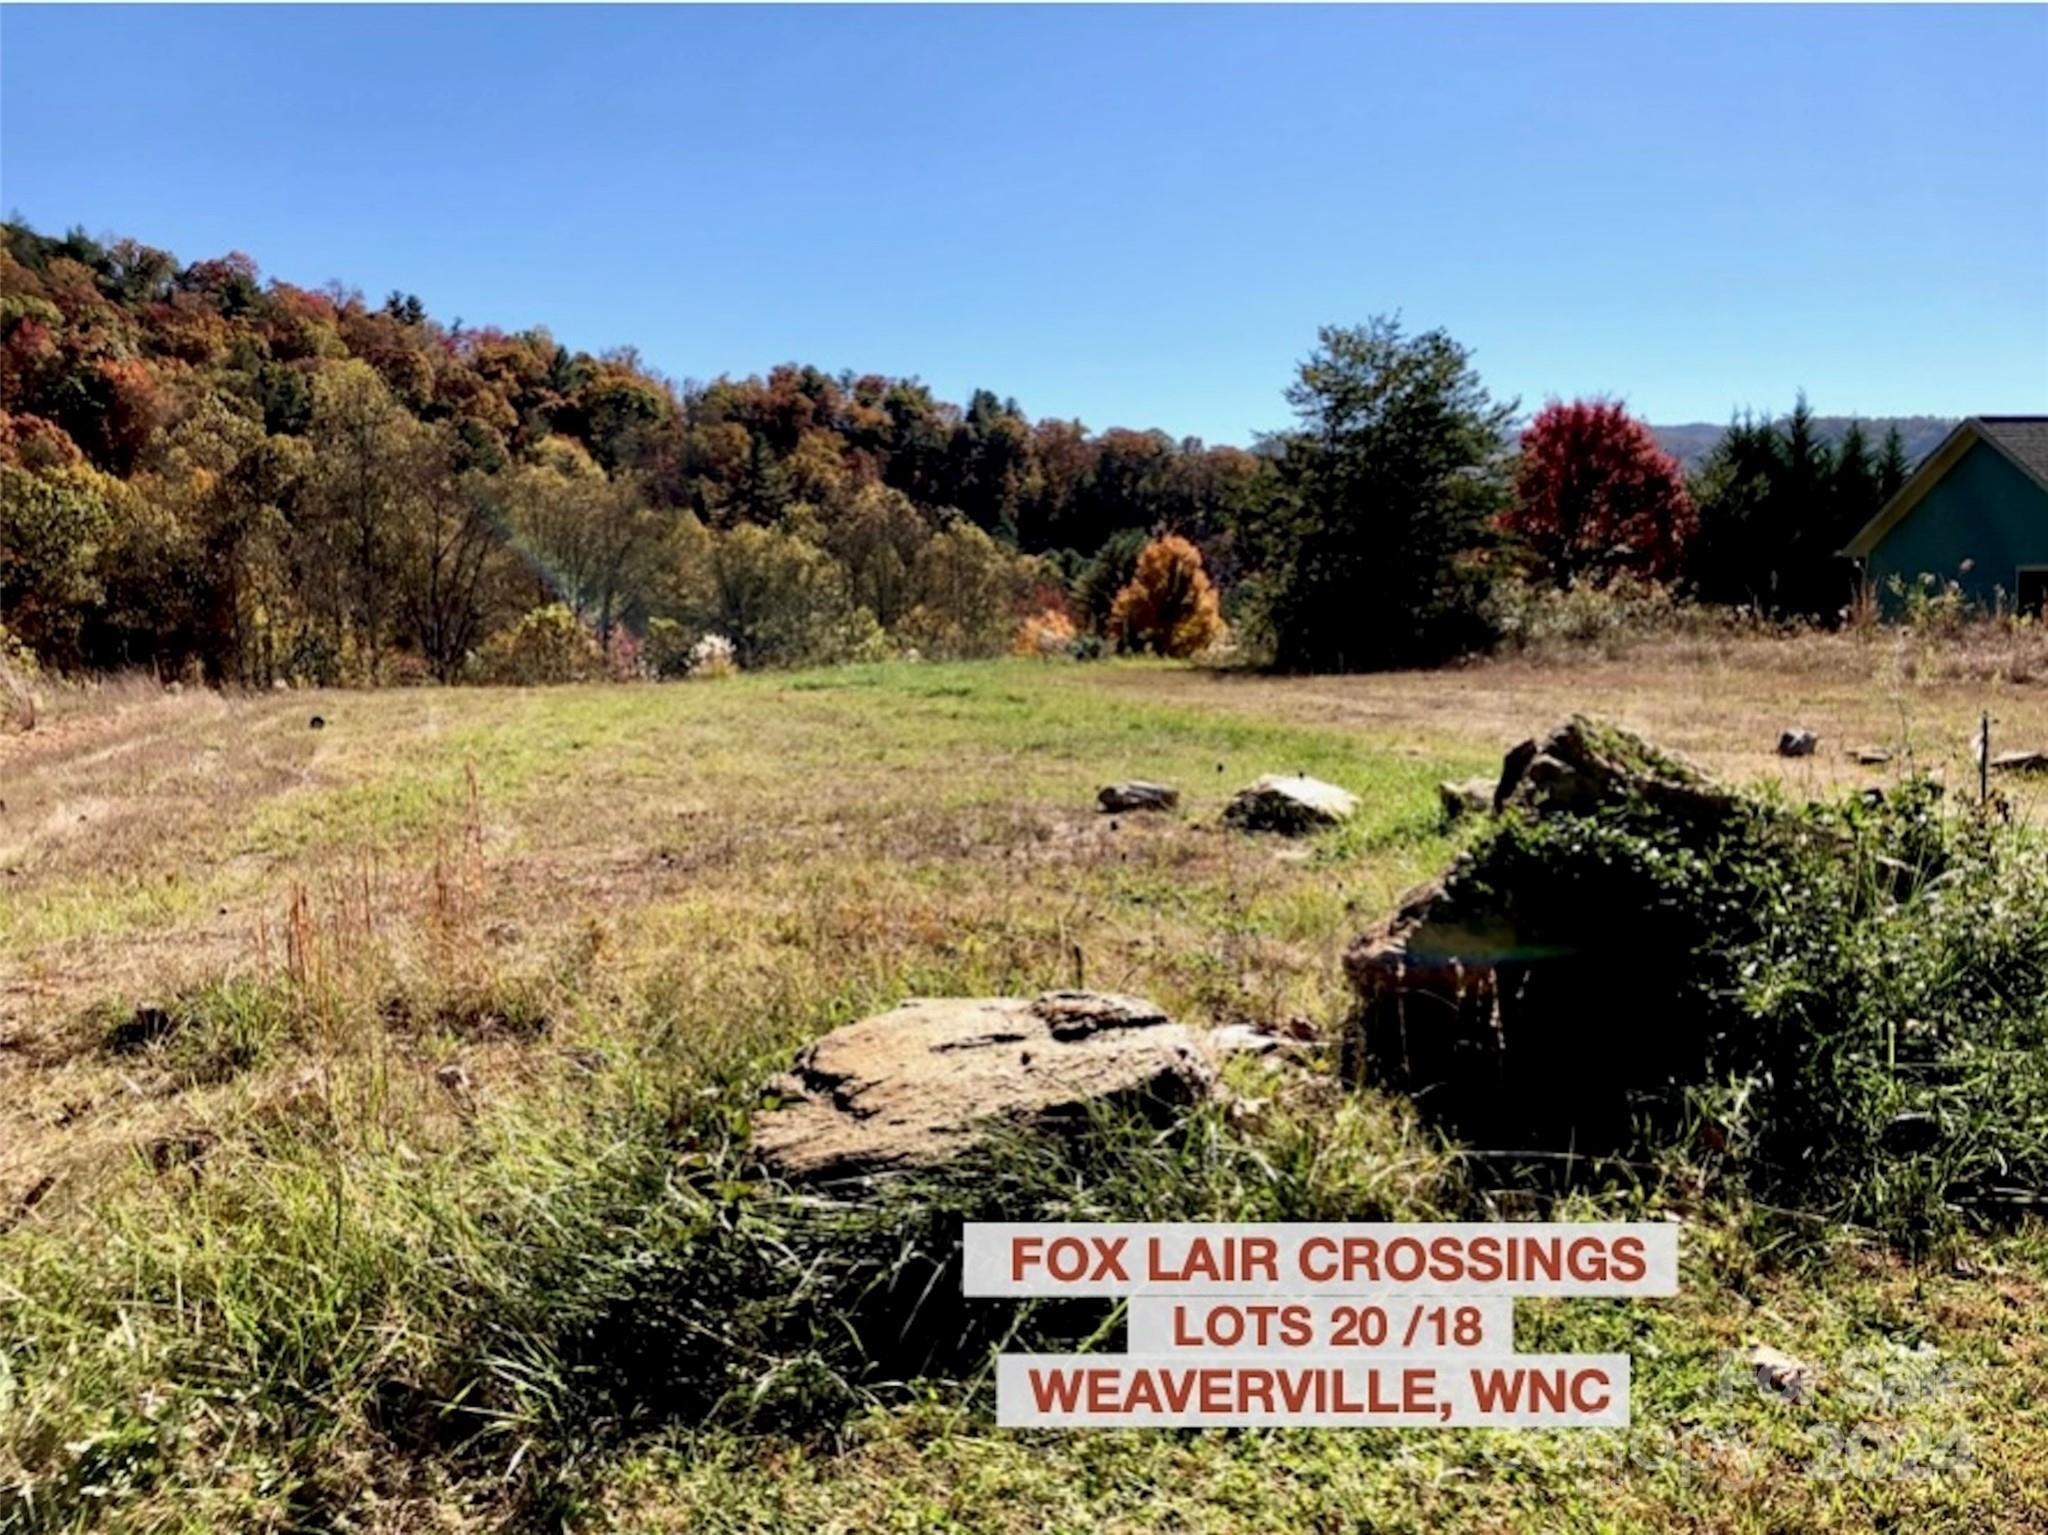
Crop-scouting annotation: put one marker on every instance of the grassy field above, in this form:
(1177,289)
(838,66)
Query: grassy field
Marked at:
(354,1079)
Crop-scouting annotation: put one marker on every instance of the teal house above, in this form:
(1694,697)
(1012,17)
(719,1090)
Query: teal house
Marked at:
(1975,512)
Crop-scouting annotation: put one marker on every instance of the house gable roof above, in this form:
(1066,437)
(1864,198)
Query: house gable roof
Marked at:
(2025,440)
(2022,439)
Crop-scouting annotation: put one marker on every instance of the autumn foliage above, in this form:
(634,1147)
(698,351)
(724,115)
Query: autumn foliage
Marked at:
(1595,495)
(202,468)
(1169,606)
(1045,633)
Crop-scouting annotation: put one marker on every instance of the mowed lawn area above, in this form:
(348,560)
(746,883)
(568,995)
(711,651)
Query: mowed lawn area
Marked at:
(296,1021)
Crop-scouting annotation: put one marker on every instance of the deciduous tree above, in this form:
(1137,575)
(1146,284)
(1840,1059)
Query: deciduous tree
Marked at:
(1594,495)
(1168,607)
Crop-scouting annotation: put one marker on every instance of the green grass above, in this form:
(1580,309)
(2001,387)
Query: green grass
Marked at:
(457,1232)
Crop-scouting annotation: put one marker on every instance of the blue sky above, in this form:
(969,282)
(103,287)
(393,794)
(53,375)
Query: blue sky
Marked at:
(1136,217)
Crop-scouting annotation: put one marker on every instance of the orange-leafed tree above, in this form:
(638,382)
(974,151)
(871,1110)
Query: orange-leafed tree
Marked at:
(1047,632)
(1168,606)
(1595,495)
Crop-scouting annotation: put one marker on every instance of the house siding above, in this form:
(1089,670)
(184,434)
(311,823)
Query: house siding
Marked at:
(1985,511)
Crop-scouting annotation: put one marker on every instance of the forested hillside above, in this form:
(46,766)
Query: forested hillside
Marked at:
(205,470)
(214,476)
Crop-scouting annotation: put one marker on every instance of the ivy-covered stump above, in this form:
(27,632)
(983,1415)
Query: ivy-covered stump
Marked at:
(1630,942)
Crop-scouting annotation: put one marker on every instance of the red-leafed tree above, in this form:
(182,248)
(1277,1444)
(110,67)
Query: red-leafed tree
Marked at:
(1595,495)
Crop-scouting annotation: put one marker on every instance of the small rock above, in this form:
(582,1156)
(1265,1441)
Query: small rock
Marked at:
(1290,805)
(452,1077)
(1781,1374)
(2020,762)
(1797,742)
(317,722)
(1136,794)
(1465,796)
(1871,756)
(1252,1039)
(279,685)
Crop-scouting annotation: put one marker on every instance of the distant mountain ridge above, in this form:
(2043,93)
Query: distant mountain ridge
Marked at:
(1692,442)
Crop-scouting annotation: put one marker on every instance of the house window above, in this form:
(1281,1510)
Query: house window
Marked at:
(2031,595)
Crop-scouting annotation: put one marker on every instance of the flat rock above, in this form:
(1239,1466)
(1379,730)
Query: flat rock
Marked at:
(1290,805)
(1137,794)
(1871,756)
(921,1084)
(1255,1040)
(2020,762)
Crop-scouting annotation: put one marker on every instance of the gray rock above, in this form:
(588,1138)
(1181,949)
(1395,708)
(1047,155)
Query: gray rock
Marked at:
(1255,1040)
(921,1084)
(1781,1374)
(1797,742)
(1137,794)
(2020,762)
(1290,805)
(1871,756)
(1584,763)
(1466,796)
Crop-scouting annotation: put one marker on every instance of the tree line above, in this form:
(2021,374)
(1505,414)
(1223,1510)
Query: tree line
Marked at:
(207,473)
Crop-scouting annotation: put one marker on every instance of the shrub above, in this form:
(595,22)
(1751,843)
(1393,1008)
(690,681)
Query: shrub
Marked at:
(1931,607)
(624,657)
(1107,573)
(1610,617)
(404,669)
(713,656)
(1168,607)
(51,531)
(779,599)
(1046,633)
(969,590)
(666,650)
(547,645)
(18,675)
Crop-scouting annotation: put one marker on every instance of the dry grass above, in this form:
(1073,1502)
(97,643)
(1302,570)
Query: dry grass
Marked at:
(431,931)
(152,843)
(1721,702)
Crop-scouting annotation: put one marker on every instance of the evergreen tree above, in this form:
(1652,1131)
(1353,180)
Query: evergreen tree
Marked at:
(1856,492)
(1728,559)
(1372,556)
(1776,506)
(1892,464)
